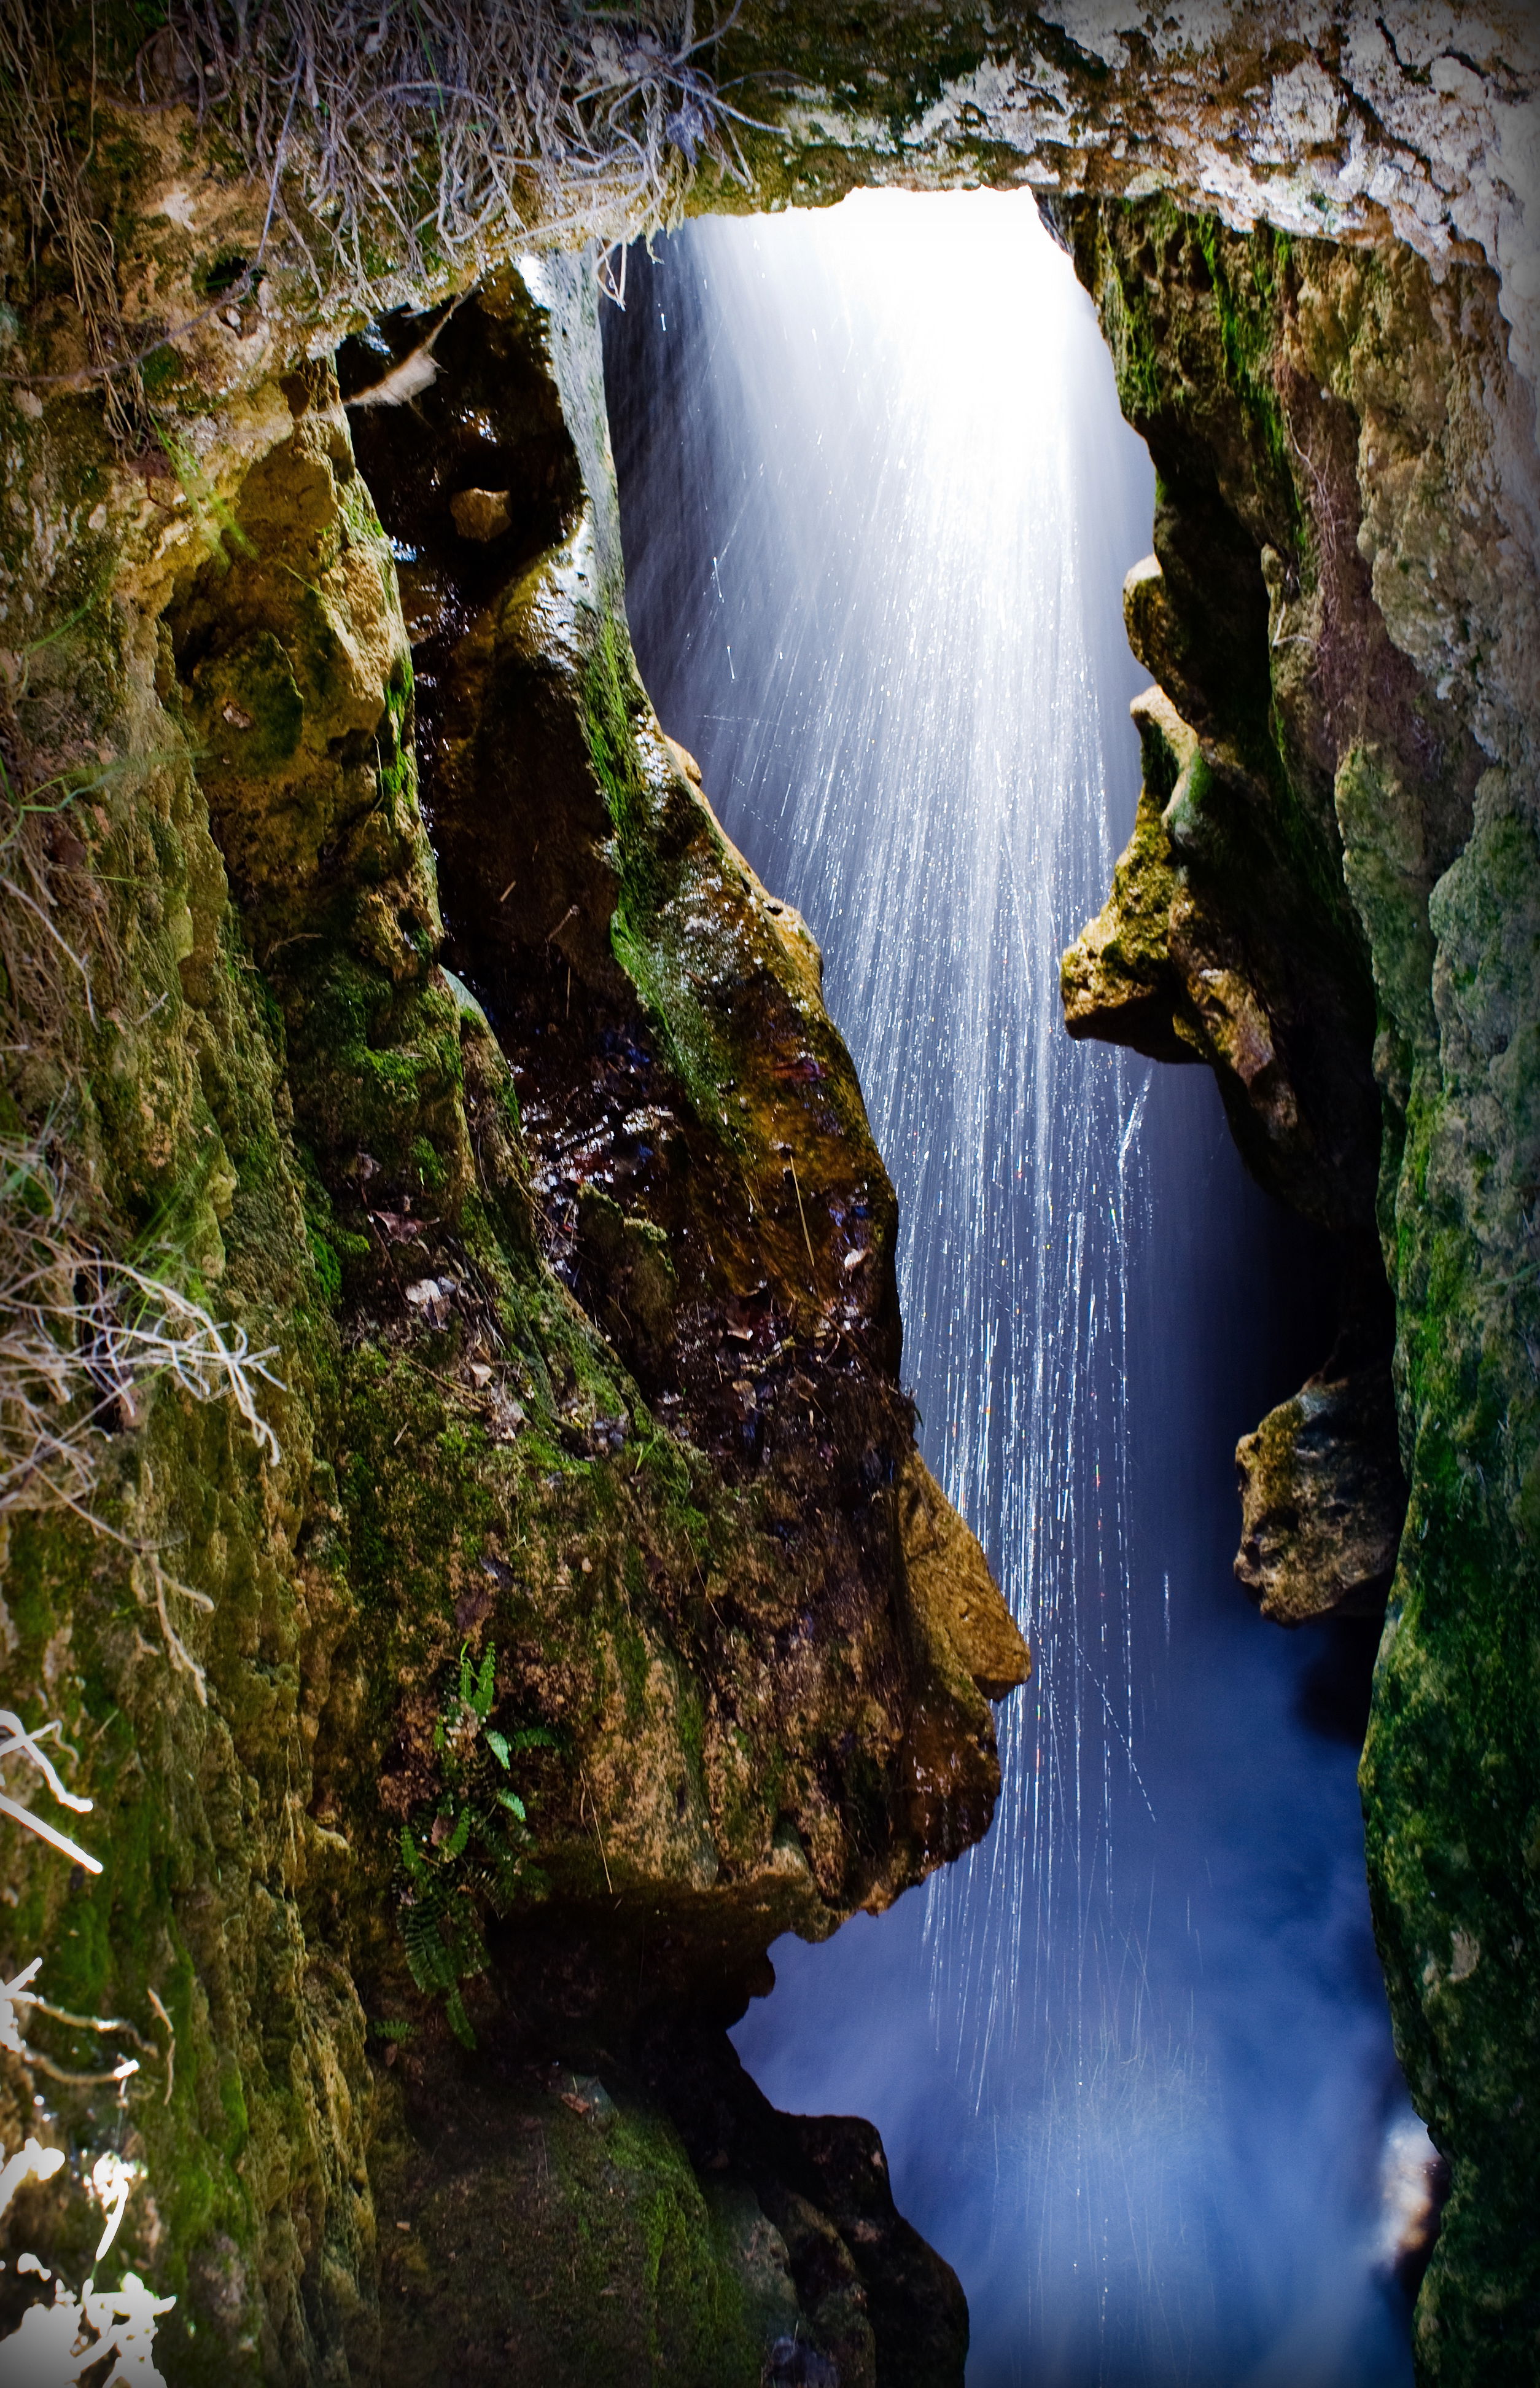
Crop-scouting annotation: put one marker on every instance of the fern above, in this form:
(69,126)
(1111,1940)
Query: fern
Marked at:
(476,1690)
(467,1854)
(458,2020)
(426,1955)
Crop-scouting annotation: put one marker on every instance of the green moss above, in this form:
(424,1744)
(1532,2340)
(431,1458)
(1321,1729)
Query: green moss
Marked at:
(612,696)
(1454,1746)
(643,945)
(325,1245)
(617,2268)
(254,693)
(384,1073)
(634,1659)
(163,370)
(1246,304)
(1135,353)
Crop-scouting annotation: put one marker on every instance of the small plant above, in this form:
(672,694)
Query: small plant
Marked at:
(395,2030)
(469,1853)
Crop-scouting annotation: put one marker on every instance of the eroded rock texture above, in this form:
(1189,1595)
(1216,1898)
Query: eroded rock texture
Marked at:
(1322,1499)
(595,1621)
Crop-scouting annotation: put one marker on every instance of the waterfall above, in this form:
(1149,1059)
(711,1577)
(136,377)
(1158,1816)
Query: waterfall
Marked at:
(877,503)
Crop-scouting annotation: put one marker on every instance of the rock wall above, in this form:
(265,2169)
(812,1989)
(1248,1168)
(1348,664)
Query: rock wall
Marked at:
(590,1618)
(1333,874)
(469,1687)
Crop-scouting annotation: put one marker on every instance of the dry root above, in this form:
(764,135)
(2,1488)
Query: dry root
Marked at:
(83,1339)
(402,143)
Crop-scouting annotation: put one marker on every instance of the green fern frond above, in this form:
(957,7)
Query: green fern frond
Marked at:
(430,1962)
(458,2020)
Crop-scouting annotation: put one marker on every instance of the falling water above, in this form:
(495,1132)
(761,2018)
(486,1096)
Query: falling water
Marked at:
(1130,2055)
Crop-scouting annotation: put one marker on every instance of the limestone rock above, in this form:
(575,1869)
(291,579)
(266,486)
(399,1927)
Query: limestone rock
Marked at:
(1174,968)
(1322,1500)
(1119,980)
(482,515)
(952,1588)
(1374,635)
(497,1226)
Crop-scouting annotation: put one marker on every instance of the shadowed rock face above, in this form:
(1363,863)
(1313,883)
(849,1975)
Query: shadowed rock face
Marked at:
(1180,967)
(562,2231)
(704,1179)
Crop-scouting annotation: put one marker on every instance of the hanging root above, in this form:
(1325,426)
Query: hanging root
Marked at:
(147,1568)
(82,1337)
(19,1743)
(447,125)
(400,143)
(83,1340)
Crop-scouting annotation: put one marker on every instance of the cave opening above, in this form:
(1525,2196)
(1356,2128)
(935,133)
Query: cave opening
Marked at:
(476,1551)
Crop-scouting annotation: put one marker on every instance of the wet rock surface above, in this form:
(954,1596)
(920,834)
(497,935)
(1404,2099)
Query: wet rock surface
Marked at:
(702,1177)
(571,1650)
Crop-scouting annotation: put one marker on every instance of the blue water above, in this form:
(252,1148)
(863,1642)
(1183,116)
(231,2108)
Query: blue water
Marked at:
(1130,2057)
